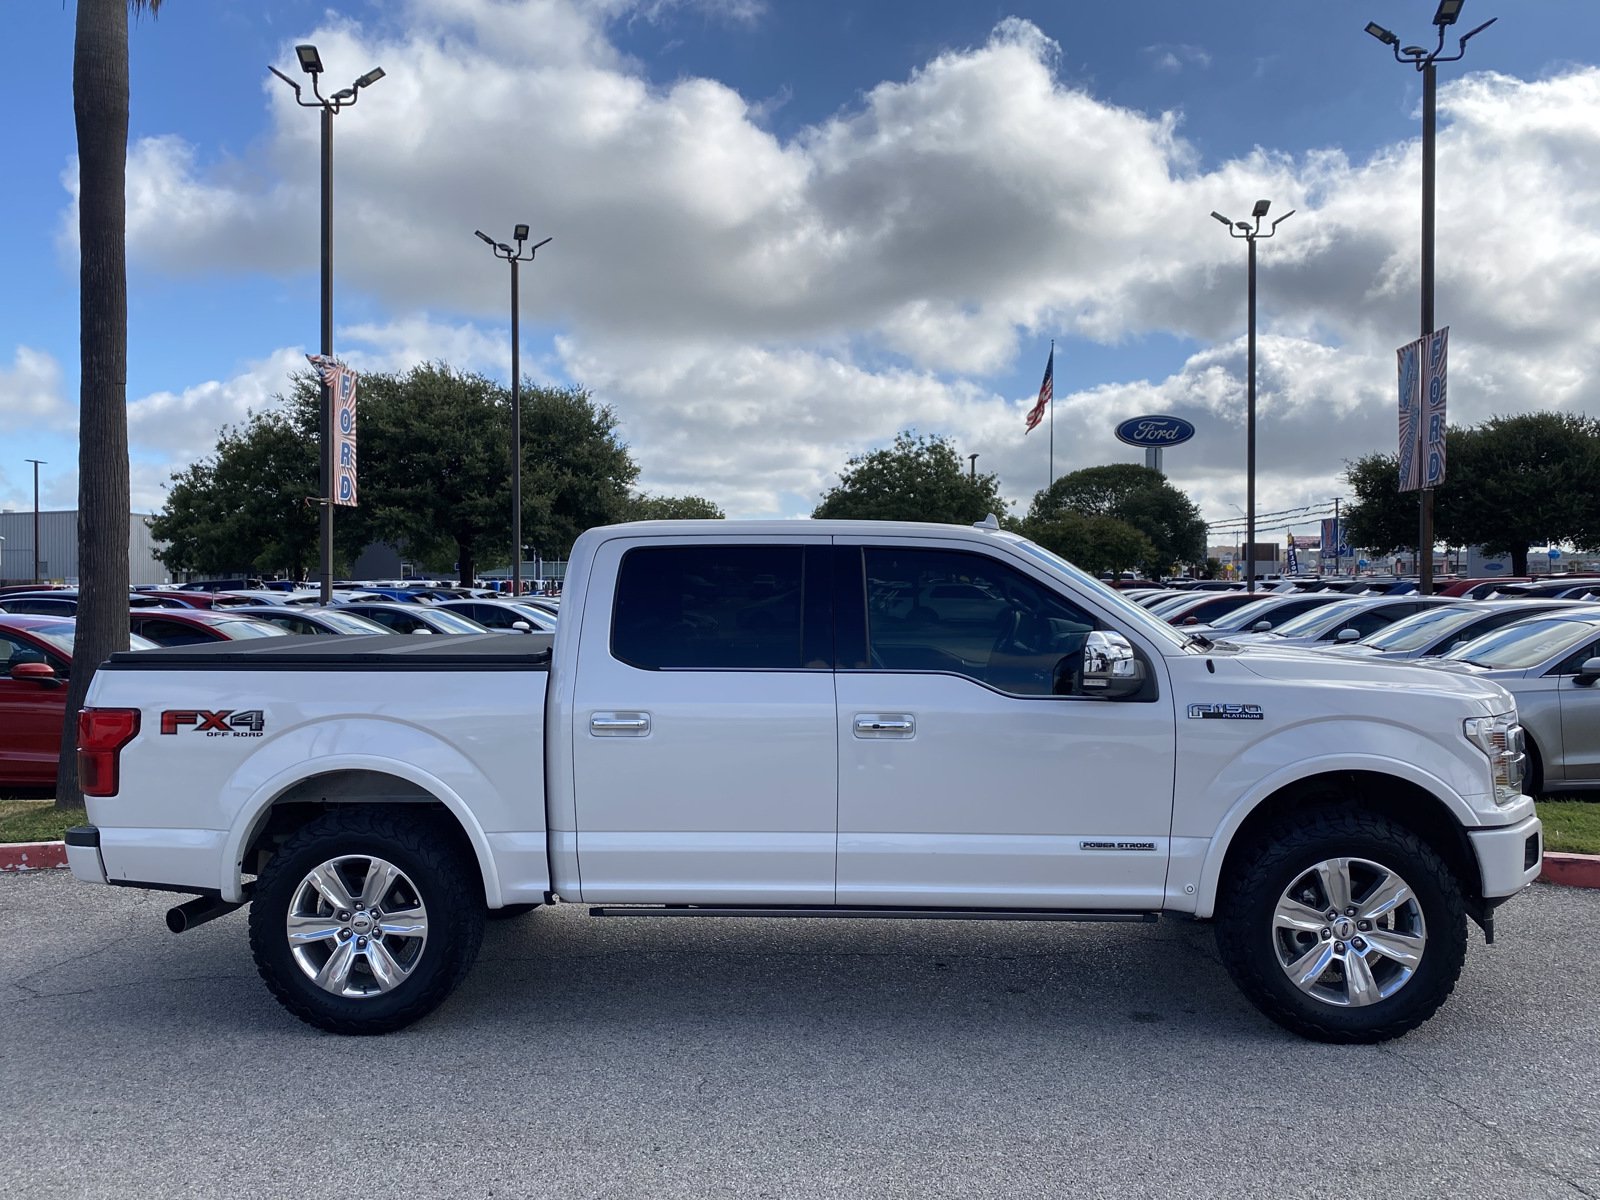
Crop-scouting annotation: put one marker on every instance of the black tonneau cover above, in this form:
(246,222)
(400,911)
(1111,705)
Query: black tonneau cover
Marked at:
(350,652)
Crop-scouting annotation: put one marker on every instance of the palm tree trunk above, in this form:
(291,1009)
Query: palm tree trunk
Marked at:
(100,106)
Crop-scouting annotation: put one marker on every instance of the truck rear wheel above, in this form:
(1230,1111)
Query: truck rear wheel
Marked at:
(365,920)
(1343,926)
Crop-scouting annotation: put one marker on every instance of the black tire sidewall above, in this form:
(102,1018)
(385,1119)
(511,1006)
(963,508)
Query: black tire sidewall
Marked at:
(1246,940)
(439,879)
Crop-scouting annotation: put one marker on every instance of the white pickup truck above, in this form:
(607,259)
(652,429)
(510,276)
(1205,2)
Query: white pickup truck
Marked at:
(805,719)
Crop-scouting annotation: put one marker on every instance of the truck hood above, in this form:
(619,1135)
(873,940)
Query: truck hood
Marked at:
(1312,667)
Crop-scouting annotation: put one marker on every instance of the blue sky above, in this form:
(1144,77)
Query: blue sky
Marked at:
(784,231)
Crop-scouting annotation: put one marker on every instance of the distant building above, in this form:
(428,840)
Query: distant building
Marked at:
(58,548)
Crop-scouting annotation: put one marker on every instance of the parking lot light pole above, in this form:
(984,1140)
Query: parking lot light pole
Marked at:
(1423,60)
(1249,233)
(331,106)
(37,463)
(521,254)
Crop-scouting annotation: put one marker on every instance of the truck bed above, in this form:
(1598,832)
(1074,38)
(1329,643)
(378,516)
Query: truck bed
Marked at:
(388,652)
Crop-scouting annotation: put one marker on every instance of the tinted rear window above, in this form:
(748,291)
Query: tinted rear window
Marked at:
(709,607)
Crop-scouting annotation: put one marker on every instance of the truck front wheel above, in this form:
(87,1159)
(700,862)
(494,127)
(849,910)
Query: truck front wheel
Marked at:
(365,920)
(1343,926)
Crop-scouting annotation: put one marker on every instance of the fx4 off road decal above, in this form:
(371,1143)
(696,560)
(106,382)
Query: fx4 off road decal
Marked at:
(1225,712)
(227,722)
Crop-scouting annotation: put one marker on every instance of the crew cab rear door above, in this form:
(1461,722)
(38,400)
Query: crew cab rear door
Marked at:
(704,755)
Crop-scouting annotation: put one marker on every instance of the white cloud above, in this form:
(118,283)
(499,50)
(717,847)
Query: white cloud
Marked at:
(32,393)
(759,308)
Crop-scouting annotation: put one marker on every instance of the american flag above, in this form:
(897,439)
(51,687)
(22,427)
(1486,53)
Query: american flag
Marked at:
(1046,391)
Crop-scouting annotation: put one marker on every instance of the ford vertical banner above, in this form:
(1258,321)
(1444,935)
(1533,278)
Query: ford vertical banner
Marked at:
(341,381)
(1423,376)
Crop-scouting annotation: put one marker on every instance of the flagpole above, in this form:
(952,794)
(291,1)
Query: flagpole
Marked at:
(1052,478)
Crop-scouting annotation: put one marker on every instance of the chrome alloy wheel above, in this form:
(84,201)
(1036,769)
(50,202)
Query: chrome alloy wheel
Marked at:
(1349,932)
(357,926)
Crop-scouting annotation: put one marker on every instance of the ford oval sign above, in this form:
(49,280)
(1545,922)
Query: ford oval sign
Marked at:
(1155,431)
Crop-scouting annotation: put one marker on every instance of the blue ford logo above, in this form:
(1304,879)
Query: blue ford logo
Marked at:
(1155,431)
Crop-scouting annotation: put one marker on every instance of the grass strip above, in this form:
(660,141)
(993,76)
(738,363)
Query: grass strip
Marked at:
(1571,826)
(37,820)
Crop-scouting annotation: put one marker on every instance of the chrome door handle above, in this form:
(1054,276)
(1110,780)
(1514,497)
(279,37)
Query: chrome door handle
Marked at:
(619,724)
(885,725)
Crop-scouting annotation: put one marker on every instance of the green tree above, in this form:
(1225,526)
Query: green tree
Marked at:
(1518,481)
(1510,482)
(435,477)
(100,115)
(1381,518)
(917,479)
(1137,496)
(576,471)
(1091,543)
(250,506)
(644,507)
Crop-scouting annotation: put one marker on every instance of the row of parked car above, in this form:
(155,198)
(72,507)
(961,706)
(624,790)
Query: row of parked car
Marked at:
(1544,649)
(37,630)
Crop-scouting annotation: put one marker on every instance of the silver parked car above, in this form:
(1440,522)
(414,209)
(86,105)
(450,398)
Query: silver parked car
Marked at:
(1346,620)
(1436,631)
(1551,664)
(316,622)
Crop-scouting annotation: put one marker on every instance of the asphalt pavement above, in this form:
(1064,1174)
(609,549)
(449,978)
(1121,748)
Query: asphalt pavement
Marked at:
(660,1057)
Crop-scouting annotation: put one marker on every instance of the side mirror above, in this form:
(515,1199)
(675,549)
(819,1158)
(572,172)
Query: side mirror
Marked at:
(1261,626)
(423,630)
(1588,672)
(522,626)
(35,672)
(1110,668)
(1348,635)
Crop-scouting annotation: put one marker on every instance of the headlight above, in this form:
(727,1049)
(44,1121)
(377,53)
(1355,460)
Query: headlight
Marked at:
(1500,738)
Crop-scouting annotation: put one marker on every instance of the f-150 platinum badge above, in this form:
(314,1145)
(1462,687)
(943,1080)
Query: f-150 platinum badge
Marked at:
(1225,712)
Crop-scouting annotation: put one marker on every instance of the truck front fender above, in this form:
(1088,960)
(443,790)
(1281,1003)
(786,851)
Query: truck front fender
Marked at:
(1206,881)
(430,765)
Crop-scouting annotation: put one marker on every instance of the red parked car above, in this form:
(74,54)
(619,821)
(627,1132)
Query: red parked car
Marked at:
(191,626)
(35,661)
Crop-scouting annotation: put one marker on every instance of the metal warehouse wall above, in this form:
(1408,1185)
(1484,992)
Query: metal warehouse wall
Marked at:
(58,548)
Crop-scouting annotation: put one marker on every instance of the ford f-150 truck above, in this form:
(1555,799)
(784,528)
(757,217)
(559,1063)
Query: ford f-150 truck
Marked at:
(807,719)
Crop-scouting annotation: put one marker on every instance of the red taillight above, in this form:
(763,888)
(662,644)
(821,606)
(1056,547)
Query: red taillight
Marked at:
(102,733)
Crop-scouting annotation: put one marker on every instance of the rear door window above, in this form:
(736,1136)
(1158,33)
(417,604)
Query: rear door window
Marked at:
(710,608)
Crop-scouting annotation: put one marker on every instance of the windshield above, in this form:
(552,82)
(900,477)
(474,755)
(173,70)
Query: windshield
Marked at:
(1420,629)
(1518,647)
(452,622)
(351,623)
(1315,620)
(1151,626)
(537,617)
(58,636)
(247,628)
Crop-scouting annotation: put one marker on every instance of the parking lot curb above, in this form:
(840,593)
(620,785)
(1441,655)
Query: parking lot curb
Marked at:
(1572,870)
(32,856)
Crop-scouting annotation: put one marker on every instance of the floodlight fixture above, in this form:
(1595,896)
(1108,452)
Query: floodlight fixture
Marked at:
(310,60)
(1245,225)
(484,237)
(1260,210)
(370,78)
(344,94)
(1449,10)
(520,233)
(1219,217)
(1283,218)
(1382,34)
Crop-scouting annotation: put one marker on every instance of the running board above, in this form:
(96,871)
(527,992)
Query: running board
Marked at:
(876,914)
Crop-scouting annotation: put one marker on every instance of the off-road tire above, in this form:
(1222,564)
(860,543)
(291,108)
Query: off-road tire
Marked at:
(446,879)
(1283,853)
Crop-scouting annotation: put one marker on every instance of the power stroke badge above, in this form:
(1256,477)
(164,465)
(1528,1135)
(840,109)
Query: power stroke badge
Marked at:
(1225,712)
